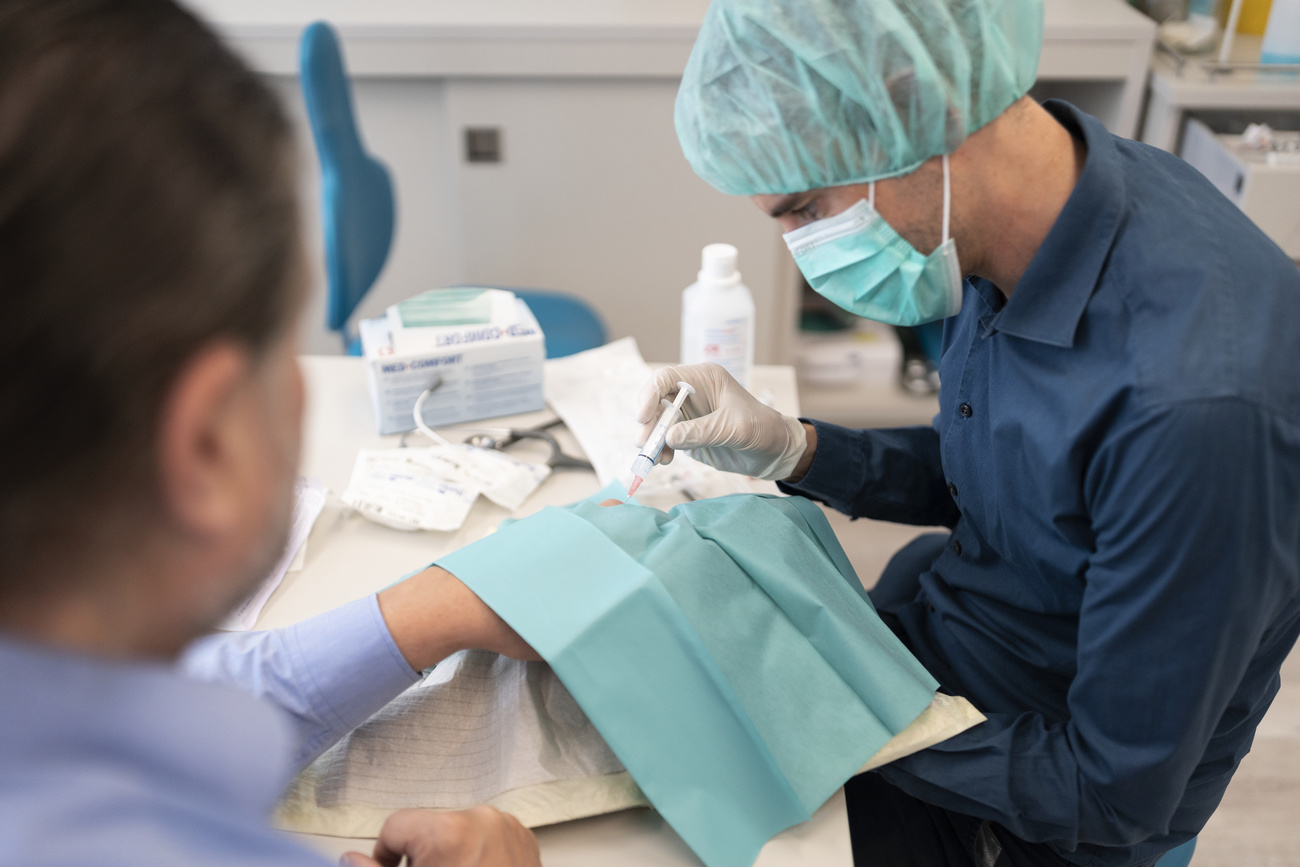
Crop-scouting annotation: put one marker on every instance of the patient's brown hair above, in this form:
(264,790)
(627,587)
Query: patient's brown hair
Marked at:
(147,207)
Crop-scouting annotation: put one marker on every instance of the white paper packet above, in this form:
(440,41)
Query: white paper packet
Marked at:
(309,500)
(401,488)
(497,476)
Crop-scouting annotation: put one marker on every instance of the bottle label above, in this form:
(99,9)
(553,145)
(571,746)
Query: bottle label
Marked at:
(725,342)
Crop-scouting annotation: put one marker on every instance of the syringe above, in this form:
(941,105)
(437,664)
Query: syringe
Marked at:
(655,444)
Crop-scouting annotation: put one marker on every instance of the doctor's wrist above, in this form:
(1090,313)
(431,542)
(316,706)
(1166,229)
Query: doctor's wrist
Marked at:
(805,460)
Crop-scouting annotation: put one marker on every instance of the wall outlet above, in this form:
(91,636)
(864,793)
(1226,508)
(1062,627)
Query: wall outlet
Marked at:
(483,144)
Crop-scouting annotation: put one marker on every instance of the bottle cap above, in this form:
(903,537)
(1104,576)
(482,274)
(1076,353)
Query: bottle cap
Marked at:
(718,265)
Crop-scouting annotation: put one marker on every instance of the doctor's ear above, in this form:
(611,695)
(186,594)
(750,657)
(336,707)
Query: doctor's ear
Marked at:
(201,437)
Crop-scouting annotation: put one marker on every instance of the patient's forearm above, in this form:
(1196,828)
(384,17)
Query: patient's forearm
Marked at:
(332,671)
(432,615)
(329,673)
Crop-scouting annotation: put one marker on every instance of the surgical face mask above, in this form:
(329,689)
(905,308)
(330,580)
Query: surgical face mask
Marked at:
(858,261)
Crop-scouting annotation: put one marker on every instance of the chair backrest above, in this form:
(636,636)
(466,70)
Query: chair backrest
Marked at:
(357,200)
(569,323)
(1179,857)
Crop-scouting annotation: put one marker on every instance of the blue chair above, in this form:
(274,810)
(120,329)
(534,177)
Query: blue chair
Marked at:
(569,323)
(357,192)
(359,209)
(1179,857)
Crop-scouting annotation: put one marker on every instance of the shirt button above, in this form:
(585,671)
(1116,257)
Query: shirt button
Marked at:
(965,410)
(952,490)
(931,607)
(956,547)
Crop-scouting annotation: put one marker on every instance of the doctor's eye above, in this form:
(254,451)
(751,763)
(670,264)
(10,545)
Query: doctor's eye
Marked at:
(806,213)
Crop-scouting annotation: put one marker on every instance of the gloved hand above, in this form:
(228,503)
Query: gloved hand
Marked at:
(726,426)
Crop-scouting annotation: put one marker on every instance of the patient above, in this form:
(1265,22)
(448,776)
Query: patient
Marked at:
(150,414)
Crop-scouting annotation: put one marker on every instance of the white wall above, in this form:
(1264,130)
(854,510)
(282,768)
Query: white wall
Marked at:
(592,197)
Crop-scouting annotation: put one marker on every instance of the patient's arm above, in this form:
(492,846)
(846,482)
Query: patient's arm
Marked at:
(330,673)
(432,615)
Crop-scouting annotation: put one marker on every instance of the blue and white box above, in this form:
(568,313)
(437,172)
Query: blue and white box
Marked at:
(482,369)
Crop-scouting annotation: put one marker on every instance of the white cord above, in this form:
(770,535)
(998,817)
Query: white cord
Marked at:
(419,415)
(947,198)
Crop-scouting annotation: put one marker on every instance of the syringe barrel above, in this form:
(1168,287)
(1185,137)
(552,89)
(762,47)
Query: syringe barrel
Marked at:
(666,420)
(654,444)
(641,466)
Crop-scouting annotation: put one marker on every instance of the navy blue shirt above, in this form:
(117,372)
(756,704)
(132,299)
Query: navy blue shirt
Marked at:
(1118,454)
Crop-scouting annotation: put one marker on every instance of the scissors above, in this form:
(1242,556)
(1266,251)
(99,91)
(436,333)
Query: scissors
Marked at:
(488,439)
(558,459)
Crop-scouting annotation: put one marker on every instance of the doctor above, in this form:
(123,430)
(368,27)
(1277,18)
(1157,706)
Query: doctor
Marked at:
(1117,452)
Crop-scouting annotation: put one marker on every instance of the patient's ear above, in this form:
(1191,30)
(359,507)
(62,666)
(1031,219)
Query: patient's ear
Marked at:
(201,438)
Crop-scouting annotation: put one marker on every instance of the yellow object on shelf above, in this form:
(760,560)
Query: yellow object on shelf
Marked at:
(1254,16)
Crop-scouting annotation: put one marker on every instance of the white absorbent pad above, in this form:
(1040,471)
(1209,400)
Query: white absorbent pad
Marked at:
(484,729)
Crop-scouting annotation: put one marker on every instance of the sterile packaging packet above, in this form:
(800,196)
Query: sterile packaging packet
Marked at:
(499,477)
(434,487)
(399,488)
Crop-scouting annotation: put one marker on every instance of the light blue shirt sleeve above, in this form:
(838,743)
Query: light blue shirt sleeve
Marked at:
(329,673)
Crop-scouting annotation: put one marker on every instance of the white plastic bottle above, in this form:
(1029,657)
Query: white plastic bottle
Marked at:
(1282,35)
(718,315)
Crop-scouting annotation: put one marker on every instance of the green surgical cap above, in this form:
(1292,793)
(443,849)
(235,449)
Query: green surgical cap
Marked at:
(783,96)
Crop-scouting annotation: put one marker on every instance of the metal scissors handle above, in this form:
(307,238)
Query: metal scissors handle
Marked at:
(558,459)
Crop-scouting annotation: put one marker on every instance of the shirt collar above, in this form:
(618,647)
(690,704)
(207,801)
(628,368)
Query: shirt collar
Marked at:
(215,742)
(1050,298)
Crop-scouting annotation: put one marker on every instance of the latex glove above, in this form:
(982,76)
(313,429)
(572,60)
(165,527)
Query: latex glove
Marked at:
(726,426)
(479,837)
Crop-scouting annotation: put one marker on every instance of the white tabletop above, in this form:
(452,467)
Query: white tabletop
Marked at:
(349,557)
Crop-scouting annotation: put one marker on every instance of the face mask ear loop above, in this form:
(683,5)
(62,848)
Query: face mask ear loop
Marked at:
(947,198)
(871,195)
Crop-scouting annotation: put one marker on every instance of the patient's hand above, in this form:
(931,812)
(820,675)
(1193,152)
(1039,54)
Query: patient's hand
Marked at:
(481,837)
(611,502)
(432,615)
